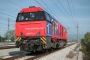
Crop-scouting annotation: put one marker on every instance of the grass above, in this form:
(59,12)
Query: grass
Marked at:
(0,57)
(86,55)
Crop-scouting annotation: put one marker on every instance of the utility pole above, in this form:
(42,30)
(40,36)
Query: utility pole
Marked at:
(8,29)
(78,40)
(77,33)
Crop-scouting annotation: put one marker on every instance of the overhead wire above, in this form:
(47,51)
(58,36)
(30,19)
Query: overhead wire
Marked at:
(63,8)
(2,29)
(3,24)
(6,11)
(51,10)
(45,8)
(6,24)
(66,10)
(21,7)
(48,8)
(68,14)
(71,13)
(15,3)
(53,13)
(7,14)
(41,6)
(73,9)
(36,1)
(60,10)
(6,19)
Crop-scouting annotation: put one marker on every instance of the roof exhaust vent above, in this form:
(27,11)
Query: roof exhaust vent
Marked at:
(31,6)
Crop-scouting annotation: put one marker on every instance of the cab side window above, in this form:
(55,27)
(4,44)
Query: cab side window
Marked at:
(47,17)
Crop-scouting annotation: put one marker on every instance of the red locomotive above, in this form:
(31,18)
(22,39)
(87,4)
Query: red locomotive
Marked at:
(36,30)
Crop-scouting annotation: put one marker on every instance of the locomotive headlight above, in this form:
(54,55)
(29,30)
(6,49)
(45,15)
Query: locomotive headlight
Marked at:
(25,41)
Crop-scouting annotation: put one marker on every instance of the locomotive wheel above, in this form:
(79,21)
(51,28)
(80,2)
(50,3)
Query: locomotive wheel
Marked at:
(45,50)
(51,49)
(57,45)
(62,43)
(22,48)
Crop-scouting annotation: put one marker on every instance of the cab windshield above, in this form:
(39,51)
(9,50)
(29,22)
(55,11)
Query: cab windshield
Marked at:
(31,16)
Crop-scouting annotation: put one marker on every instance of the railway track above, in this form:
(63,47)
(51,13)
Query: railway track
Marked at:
(41,55)
(7,47)
(32,56)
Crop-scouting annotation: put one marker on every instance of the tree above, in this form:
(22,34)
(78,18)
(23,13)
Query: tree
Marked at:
(85,42)
(86,38)
(10,34)
(0,38)
(3,39)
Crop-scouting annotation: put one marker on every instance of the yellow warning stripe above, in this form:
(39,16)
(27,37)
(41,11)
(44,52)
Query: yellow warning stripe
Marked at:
(18,39)
(43,39)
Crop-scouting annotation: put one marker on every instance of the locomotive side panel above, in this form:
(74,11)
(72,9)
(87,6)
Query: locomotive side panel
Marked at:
(49,28)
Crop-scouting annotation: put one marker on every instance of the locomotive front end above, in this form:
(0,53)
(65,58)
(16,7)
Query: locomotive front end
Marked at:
(31,29)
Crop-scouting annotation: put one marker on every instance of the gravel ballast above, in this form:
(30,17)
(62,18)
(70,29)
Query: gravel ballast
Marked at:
(59,55)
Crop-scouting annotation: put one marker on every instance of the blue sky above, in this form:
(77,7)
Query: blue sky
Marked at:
(80,12)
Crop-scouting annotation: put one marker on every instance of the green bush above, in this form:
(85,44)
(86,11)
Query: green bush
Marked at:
(85,43)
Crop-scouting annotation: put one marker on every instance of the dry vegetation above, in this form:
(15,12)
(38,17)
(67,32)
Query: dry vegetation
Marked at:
(72,53)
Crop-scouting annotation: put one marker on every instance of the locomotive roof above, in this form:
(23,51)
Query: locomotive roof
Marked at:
(35,9)
(31,9)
